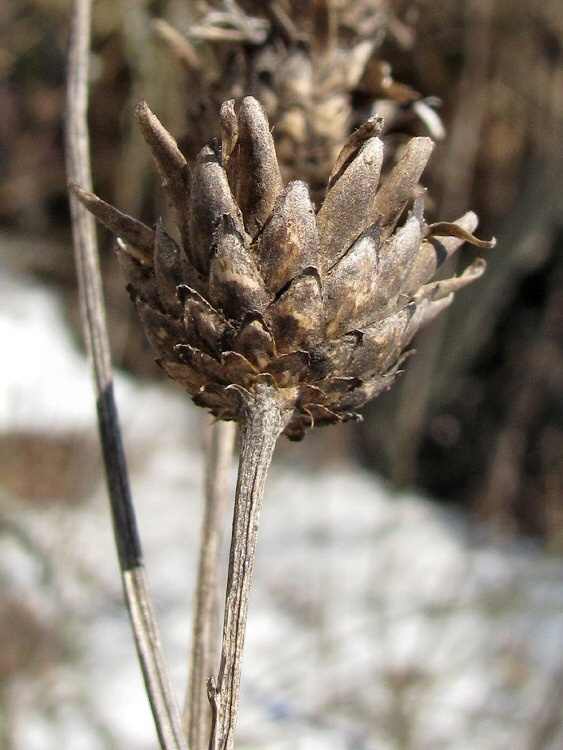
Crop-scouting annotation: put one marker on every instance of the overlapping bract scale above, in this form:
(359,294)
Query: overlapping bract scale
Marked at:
(263,289)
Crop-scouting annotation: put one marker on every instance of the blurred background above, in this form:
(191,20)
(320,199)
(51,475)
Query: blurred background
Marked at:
(476,421)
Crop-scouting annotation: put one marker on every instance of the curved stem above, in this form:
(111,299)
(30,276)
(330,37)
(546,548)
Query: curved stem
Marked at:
(266,414)
(197,714)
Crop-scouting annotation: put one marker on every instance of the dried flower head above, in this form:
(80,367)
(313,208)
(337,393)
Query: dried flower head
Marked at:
(309,62)
(261,289)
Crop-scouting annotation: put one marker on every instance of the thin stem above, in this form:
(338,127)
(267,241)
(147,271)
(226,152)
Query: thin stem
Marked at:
(265,417)
(135,587)
(197,711)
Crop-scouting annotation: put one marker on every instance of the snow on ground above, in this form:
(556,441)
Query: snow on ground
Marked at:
(376,622)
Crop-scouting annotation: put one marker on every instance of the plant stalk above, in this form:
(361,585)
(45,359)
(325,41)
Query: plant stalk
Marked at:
(134,580)
(265,416)
(197,712)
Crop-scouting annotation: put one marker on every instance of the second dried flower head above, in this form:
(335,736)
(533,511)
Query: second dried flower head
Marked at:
(261,289)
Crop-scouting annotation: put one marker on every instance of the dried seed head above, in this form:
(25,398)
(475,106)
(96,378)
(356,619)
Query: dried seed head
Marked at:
(262,290)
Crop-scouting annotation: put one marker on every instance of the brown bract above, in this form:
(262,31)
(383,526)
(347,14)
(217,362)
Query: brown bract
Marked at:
(261,289)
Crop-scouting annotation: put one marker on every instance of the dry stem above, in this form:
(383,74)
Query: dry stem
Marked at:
(206,605)
(265,416)
(135,586)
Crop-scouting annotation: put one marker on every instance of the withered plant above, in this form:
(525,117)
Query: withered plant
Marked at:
(270,312)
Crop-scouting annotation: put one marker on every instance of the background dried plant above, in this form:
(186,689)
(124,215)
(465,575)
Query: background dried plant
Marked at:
(487,429)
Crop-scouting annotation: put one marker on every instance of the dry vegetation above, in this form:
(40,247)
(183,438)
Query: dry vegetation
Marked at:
(477,419)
